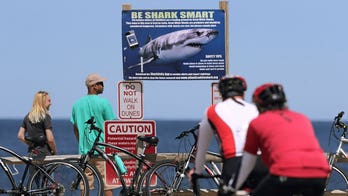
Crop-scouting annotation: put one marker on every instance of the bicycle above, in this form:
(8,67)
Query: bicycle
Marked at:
(338,180)
(173,179)
(97,187)
(143,165)
(56,177)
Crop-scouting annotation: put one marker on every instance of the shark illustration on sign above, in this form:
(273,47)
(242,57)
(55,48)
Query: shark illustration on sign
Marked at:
(175,46)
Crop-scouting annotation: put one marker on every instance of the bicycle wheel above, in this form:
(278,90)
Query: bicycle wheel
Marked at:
(337,180)
(141,184)
(68,176)
(166,178)
(95,180)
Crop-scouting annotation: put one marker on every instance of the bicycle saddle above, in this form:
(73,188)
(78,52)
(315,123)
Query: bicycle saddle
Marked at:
(152,140)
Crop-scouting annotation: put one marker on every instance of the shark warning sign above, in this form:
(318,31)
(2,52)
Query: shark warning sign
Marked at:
(173,44)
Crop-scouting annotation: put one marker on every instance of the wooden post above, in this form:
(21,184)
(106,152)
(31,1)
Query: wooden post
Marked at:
(126,7)
(224,6)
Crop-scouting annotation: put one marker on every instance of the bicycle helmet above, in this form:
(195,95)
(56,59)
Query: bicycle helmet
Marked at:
(269,94)
(230,86)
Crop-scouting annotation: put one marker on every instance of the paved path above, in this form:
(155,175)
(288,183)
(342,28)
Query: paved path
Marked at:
(214,193)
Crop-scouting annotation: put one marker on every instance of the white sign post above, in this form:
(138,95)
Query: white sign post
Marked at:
(130,100)
(215,94)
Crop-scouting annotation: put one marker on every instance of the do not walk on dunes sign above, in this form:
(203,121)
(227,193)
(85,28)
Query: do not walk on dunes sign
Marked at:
(130,100)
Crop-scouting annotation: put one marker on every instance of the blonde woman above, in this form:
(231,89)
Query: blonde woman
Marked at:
(36,128)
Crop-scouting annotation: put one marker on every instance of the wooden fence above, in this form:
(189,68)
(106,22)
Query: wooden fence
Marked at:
(168,156)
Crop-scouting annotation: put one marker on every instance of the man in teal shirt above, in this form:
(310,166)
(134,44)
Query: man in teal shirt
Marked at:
(86,107)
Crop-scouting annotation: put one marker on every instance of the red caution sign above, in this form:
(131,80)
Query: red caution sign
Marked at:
(124,134)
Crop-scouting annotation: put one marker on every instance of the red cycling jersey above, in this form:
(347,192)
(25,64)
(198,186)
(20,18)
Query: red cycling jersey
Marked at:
(288,144)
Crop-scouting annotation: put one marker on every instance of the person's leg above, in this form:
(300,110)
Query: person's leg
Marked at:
(284,186)
(90,180)
(108,192)
(229,171)
(269,186)
(101,168)
(37,155)
(257,174)
(310,186)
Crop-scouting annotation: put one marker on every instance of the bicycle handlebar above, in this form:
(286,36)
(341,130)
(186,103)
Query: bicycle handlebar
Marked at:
(91,122)
(338,122)
(186,133)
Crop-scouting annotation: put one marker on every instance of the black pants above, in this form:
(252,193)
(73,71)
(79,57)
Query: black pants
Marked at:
(284,186)
(37,153)
(230,172)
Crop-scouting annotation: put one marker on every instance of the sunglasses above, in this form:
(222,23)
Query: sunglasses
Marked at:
(42,92)
(100,83)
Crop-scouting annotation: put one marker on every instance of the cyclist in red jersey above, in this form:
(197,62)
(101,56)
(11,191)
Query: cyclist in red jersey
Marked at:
(289,147)
(229,121)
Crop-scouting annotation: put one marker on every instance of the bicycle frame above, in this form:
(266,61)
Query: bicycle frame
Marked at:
(139,158)
(214,172)
(339,152)
(141,162)
(173,174)
(19,188)
(337,176)
(342,140)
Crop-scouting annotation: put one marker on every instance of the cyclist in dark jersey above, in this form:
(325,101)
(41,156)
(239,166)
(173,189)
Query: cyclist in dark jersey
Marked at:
(289,148)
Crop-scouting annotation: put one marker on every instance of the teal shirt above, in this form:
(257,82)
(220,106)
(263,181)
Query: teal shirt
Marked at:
(83,109)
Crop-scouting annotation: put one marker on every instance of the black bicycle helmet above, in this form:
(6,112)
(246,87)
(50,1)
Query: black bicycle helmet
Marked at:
(269,94)
(230,86)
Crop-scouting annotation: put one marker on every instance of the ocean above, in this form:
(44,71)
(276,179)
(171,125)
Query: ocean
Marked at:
(166,130)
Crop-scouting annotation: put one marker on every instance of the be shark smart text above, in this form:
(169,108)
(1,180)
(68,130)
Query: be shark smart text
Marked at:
(172,14)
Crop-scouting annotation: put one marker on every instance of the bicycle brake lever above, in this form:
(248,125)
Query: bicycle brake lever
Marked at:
(181,135)
(185,133)
(339,115)
(340,124)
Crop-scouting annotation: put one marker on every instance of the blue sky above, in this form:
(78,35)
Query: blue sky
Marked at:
(54,45)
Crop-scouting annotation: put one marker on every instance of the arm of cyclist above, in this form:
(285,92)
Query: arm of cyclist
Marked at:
(247,165)
(205,134)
